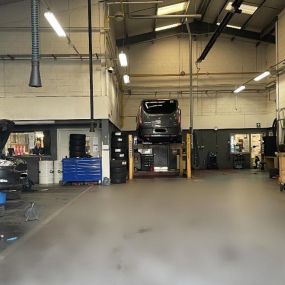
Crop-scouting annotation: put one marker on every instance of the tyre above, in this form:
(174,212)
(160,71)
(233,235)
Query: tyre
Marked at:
(77,142)
(77,154)
(77,148)
(119,171)
(77,137)
(118,180)
(115,140)
(118,150)
(118,163)
(119,155)
(121,145)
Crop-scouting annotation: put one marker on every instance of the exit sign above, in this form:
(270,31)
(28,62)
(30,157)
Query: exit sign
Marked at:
(258,125)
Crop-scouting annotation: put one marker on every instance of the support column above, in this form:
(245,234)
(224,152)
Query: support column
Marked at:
(105,149)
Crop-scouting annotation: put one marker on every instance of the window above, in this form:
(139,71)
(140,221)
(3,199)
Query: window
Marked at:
(25,143)
(160,107)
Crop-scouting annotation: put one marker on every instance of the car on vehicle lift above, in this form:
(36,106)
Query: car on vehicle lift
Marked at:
(13,171)
(159,120)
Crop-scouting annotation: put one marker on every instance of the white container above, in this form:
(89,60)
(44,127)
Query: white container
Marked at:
(46,172)
(57,177)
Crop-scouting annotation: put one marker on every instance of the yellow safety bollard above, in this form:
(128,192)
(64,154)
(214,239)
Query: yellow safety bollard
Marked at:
(188,156)
(131,158)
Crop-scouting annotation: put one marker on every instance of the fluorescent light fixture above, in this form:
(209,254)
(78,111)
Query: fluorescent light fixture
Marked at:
(55,24)
(238,90)
(231,26)
(262,75)
(157,29)
(170,9)
(123,59)
(126,79)
(245,8)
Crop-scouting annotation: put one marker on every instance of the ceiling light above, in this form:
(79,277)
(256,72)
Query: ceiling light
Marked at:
(170,9)
(157,29)
(246,9)
(231,26)
(126,79)
(123,59)
(55,24)
(238,90)
(262,75)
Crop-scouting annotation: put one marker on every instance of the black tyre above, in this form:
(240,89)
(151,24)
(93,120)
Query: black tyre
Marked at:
(119,171)
(120,155)
(118,163)
(77,148)
(77,154)
(77,142)
(119,150)
(121,145)
(118,181)
(120,139)
(77,137)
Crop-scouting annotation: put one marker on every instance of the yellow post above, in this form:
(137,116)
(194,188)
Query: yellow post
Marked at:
(131,158)
(181,161)
(188,156)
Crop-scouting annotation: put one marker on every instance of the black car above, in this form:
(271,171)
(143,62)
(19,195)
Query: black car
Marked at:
(13,171)
(159,121)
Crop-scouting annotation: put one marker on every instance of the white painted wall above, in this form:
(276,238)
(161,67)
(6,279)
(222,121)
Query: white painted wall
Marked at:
(65,91)
(219,107)
(281,56)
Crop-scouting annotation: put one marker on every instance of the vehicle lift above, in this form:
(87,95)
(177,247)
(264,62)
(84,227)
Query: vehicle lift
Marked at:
(184,152)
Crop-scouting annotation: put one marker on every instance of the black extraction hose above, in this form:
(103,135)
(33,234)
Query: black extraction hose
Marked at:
(35,79)
(196,155)
(274,127)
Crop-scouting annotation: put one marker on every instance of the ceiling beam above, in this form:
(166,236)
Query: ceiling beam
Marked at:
(269,28)
(196,28)
(203,7)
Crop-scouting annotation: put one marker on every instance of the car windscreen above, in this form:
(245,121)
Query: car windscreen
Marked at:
(160,107)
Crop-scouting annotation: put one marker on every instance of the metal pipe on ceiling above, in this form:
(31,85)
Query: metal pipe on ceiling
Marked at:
(90,46)
(236,5)
(200,74)
(141,17)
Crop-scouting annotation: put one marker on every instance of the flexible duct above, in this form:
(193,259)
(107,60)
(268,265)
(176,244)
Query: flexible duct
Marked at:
(35,79)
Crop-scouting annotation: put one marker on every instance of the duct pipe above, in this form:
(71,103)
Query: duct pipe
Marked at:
(190,79)
(236,5)
(141,17)
(92,128)
(35,78)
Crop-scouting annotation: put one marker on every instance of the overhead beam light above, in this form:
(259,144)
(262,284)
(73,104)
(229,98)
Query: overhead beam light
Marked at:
(231,26)
(245,8)
(170,9)
(123,59)
(238,90)
(262,76)
(55,24)
(157,29)
(126,79)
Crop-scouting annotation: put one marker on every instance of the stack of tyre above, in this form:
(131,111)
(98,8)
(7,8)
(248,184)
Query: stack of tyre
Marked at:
(119,155)
(77,145)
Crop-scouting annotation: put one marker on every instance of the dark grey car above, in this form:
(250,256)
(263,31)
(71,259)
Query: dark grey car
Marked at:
(159,121)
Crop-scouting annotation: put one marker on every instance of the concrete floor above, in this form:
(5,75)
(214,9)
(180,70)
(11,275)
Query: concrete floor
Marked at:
(220,228)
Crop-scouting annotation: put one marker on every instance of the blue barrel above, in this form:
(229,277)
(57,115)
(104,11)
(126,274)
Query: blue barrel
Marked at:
(3,198)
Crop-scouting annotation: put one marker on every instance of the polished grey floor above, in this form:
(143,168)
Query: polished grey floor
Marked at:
(224,228)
